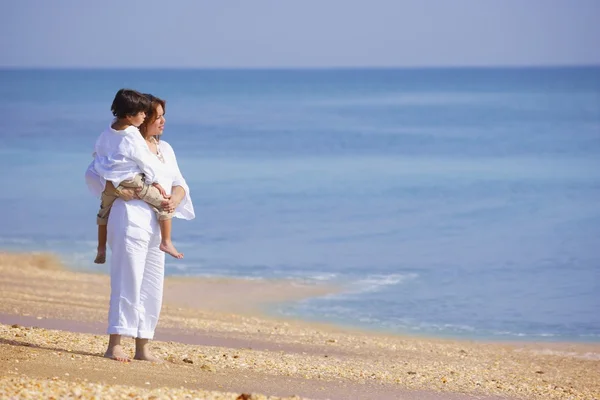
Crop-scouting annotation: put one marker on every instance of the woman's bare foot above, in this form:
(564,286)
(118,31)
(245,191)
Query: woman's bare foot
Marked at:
(100,256)
(147,357)
(167,247)
(142,352)
(116,353)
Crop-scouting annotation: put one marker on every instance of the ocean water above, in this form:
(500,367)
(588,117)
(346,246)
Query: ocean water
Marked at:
(446,202)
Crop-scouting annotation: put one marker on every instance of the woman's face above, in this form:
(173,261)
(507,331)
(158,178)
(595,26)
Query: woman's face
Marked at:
(156,127)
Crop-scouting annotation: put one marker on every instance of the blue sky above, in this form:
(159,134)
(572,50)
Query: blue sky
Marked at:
(303,33)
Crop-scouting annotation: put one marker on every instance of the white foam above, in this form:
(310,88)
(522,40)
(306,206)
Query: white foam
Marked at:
(178,266)
(15,240)
(558,353)
(322,277)
(373,283)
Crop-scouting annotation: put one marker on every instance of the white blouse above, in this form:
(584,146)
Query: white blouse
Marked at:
(170,177)
(120,155)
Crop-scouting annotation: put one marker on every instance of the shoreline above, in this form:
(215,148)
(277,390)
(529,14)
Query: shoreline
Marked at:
(282,290)
(235,347)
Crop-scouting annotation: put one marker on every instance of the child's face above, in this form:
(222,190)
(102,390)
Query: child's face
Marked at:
(137,119)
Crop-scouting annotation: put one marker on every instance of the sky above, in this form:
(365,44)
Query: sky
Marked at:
(298,34)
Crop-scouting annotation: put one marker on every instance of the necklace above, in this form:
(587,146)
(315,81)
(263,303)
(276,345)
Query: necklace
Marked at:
(153,141)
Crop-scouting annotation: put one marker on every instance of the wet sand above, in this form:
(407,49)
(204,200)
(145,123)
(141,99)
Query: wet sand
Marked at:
(217,344)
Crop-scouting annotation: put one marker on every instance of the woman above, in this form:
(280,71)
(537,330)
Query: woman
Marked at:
(137,263)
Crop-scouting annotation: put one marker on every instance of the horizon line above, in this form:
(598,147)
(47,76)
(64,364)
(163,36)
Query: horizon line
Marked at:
(290,68)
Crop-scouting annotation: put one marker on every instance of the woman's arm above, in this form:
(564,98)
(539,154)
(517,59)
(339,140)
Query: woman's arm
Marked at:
(184,207)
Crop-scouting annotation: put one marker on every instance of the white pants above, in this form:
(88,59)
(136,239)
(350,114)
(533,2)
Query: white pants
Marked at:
(136,271)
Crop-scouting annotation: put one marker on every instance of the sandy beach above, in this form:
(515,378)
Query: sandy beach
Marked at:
(217,344)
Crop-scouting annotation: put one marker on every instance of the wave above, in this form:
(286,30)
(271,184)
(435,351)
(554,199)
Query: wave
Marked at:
(550,352)
(336,309)
(42,242)
(324,276)
(374,283)
(7,240)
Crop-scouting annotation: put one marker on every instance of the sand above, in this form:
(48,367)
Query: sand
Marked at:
(217,343)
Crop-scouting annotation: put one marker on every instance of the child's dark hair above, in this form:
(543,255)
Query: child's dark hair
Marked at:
(129,102)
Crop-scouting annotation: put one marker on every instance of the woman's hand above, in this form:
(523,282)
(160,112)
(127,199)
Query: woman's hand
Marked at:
(170,204)
(128,194)
(125,193)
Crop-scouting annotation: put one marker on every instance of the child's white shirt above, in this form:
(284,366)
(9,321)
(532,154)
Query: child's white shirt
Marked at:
(121,155)
(96,184)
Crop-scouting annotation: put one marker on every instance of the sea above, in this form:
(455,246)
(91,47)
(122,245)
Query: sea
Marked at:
(457,203)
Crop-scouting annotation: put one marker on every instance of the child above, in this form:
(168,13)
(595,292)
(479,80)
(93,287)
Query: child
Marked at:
(123,158)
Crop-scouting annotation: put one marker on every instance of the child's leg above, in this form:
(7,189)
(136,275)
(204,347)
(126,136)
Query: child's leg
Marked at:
(101,254)
(166,244)
(152,196)
(108,198)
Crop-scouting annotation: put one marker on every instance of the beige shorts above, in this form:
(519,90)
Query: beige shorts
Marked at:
(149,194)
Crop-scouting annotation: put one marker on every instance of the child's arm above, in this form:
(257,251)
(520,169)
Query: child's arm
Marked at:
(124,193)
(162,191)
(95,182)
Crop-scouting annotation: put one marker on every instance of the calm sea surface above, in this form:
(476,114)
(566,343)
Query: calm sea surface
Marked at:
(448,202)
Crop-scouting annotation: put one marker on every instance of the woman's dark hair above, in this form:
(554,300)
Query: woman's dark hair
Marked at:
(151,113)
(129,102)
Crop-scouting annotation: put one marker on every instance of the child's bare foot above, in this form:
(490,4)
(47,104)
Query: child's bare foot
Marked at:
(100,256)
(168,248)
(116,353)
